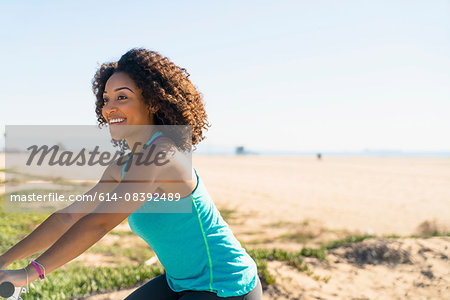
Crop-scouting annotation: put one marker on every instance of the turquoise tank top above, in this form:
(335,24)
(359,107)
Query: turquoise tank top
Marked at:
(197,249)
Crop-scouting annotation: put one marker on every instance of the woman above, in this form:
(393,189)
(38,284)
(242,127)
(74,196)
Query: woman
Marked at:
(201,256)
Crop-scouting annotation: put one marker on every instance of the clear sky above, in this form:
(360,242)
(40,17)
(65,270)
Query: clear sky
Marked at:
(275,75)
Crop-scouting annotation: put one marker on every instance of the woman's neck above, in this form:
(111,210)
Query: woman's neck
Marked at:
(137,141)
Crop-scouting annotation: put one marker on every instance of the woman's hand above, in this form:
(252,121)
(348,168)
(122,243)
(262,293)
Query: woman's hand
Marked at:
(16,277)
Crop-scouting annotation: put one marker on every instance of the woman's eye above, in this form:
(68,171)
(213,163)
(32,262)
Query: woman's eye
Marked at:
(105,100)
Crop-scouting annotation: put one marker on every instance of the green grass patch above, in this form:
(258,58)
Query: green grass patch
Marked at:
(261,256)
(296,237)
(15,226)
(295,258)
(263,272)
(77,280)
(392,236)
(435,233)
(80,281)
(228,214)
(318,253)
(138,254)
(347,240)
(122,233)
(279,224)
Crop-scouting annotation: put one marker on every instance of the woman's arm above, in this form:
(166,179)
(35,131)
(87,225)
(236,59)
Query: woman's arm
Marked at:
(140,178)
(93,226)
(49,231)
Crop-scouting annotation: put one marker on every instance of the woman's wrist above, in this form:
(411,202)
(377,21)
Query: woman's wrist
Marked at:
(32,272)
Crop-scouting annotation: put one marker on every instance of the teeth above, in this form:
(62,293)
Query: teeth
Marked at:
(115,120)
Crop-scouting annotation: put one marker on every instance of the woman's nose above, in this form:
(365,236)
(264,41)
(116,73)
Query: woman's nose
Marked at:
(109,107)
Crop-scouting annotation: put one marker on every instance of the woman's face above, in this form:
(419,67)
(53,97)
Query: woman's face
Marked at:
(124,105)
(123,102)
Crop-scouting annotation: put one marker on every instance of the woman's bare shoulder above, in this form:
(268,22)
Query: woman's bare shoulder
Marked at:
(177,175)
(164,156)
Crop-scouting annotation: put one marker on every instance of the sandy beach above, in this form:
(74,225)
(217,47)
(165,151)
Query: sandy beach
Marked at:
(377,195)
(294,202)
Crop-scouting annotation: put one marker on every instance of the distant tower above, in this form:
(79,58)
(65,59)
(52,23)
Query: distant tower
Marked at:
(61,146)
(240,150)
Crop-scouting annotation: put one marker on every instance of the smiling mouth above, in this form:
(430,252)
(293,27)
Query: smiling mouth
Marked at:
(117,121)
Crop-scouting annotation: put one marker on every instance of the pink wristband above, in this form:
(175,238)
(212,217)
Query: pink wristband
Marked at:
(41,276)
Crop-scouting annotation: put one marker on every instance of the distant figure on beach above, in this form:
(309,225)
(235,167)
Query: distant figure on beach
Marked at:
(319,156)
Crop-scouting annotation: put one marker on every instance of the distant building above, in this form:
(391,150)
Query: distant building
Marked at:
(240,150)
(61,146)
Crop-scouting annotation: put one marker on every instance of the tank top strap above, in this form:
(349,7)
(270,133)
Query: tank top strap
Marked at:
(156,136)
(125,165)
(152,139)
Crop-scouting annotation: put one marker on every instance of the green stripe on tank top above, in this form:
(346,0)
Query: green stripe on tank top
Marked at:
(206,244)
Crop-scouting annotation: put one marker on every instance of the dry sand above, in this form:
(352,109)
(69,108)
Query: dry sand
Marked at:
(292,202)
(381,195)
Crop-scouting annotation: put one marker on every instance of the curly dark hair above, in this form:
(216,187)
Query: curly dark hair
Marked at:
(166,89)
